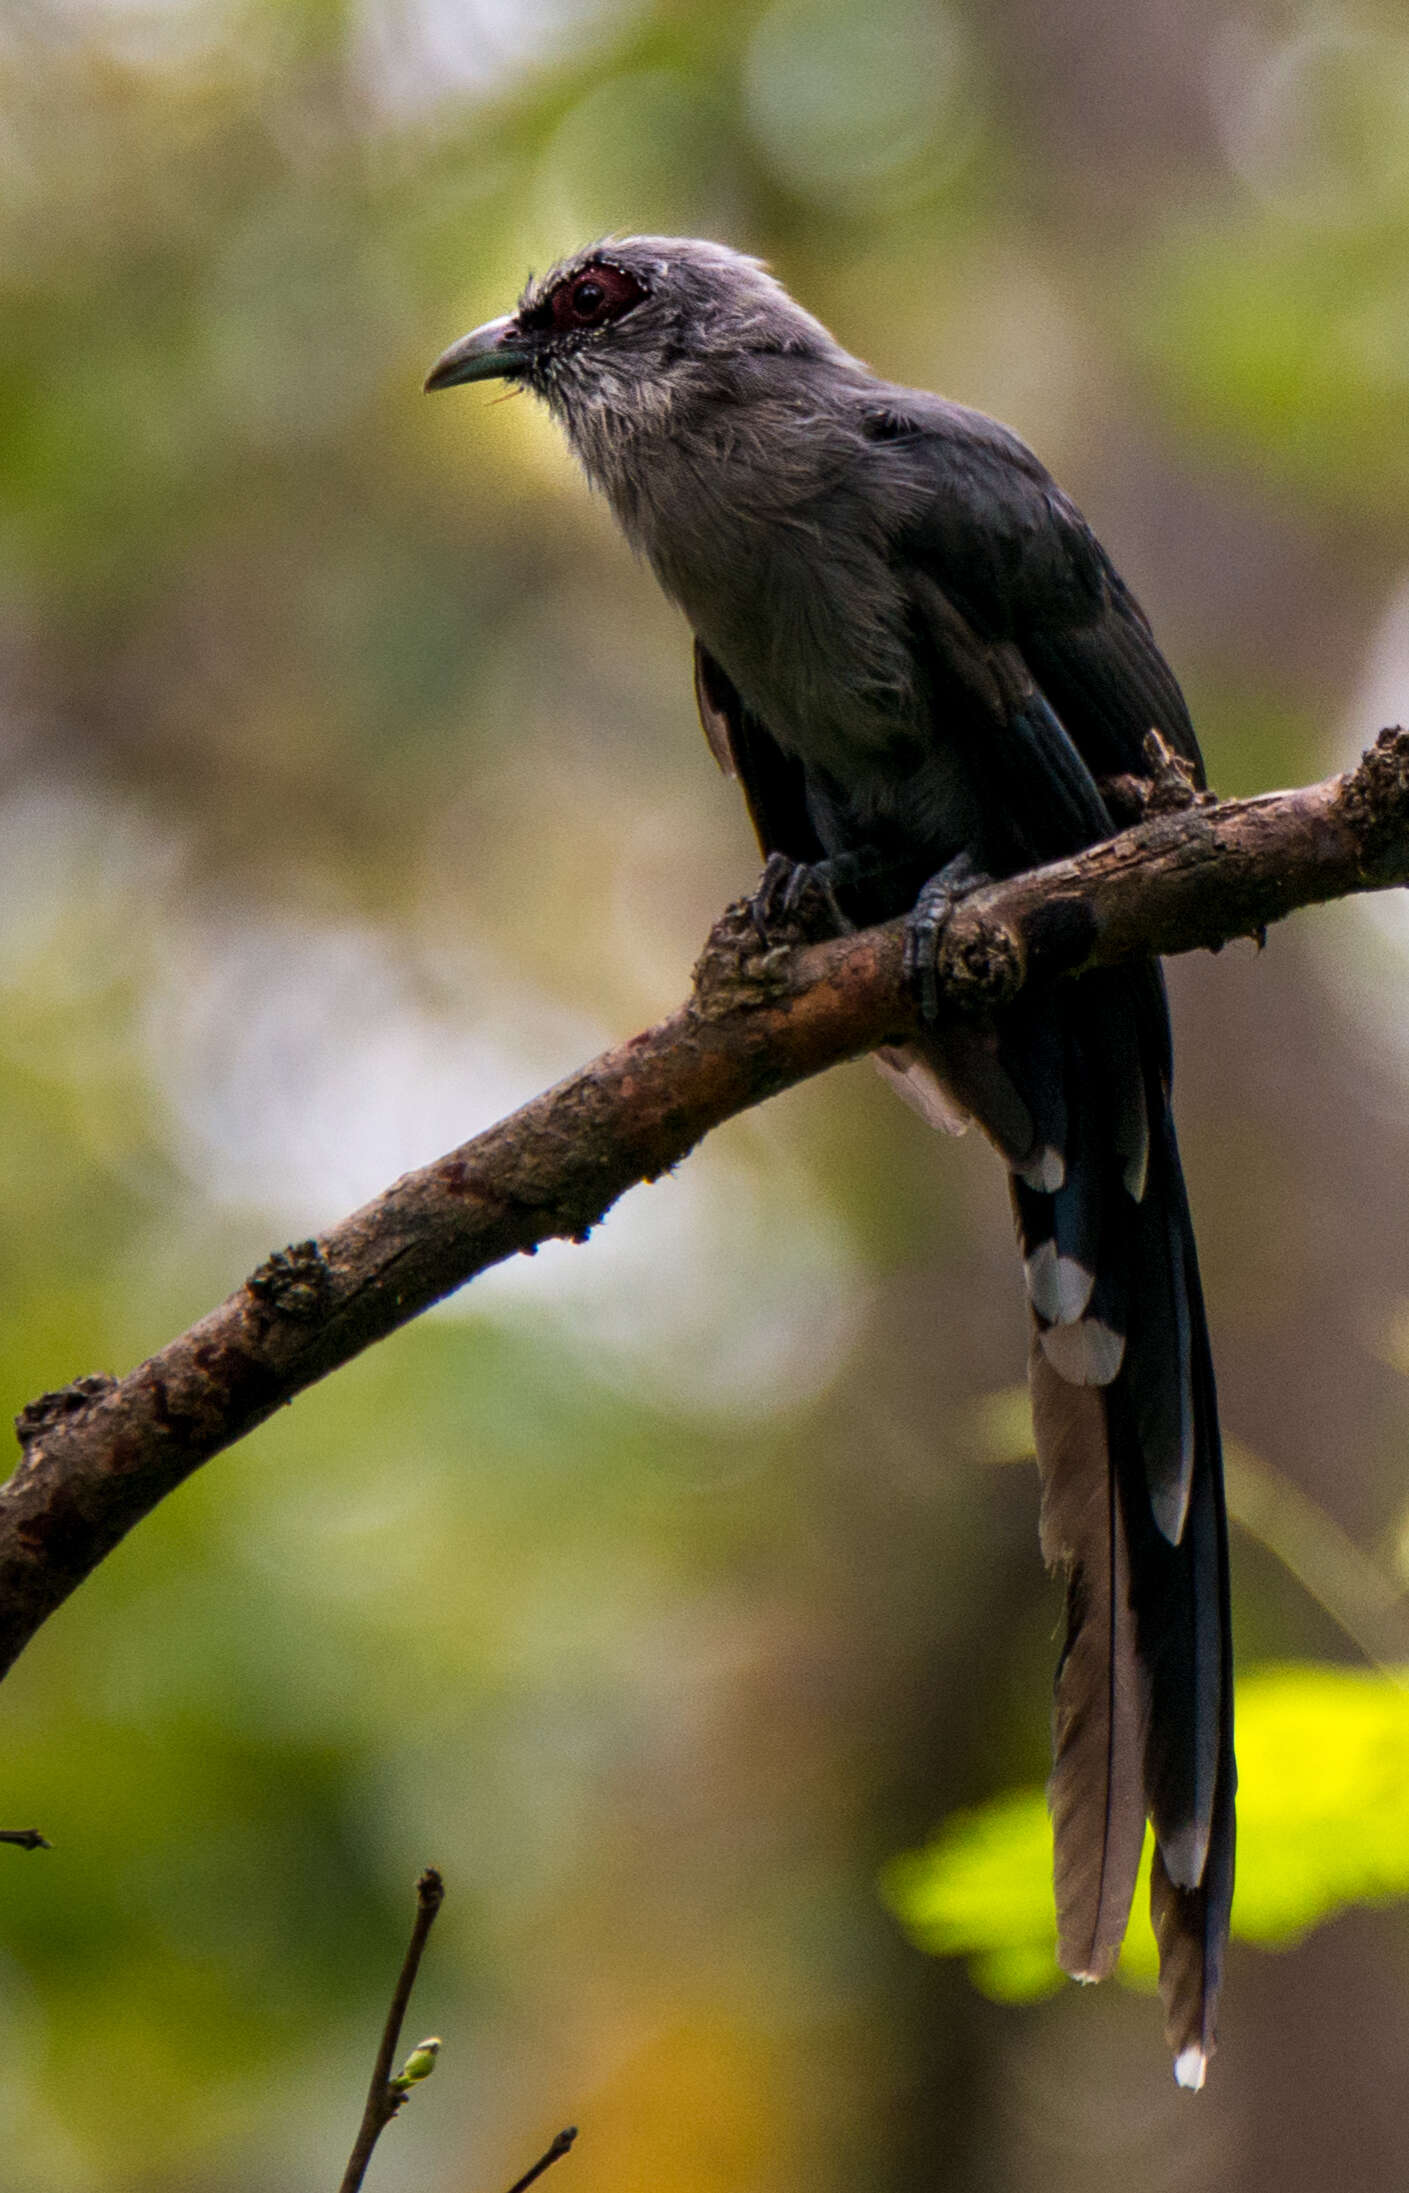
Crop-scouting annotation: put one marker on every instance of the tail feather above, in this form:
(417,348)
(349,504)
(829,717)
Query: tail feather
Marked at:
(1191,1930)
(1096,1792)
(1191,1885)
(1161,1338)
(1181,1588)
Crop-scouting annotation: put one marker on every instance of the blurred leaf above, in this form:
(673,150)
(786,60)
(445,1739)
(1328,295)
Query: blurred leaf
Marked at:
(999,1425)
(1323,1822)
(982,1890)
(1265,339)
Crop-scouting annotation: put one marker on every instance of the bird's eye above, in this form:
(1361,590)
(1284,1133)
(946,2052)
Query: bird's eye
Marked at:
(594,298)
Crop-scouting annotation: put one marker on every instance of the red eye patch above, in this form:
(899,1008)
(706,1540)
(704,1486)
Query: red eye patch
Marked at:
(594,296)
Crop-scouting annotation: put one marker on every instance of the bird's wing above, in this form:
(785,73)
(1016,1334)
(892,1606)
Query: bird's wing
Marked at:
(774,783)
(1019,562)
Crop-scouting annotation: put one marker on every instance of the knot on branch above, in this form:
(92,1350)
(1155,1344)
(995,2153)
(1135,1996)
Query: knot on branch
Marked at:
(294,1282)
(737,969)
(1375,796)
(981,965)
(1173,780)
(50,1409)
(1168,786)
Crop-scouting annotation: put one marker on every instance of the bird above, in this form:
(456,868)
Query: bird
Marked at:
(925,671)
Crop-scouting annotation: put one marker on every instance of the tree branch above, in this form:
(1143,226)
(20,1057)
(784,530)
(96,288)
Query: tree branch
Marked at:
(1193,874)
(555,2151)
(385,2096)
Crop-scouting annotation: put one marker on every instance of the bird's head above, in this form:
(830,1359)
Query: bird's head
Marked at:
(628,328)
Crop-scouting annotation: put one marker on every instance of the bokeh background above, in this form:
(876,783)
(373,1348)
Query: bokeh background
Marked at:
(660,1590)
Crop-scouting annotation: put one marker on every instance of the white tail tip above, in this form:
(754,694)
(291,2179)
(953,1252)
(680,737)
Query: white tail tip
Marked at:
(1190,2068)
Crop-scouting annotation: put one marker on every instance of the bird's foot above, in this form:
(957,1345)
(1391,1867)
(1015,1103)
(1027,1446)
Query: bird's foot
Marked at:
(924,928)
(801,901)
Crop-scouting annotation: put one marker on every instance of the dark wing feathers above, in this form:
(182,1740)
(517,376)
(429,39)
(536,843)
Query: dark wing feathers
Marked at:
(1107,676)
(774,783)
(1021,562)
(718,705)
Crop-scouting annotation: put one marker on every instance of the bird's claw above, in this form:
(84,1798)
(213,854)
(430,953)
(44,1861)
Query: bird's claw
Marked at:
(924,929)
(763,906)
(798,896)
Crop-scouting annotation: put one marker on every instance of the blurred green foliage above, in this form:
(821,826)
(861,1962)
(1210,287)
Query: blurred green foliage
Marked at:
(349,791)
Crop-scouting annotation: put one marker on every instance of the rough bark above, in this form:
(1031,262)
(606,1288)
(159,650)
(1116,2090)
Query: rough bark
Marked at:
(1194,873)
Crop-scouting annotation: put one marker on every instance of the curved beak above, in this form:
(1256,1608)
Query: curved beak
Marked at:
(487,353)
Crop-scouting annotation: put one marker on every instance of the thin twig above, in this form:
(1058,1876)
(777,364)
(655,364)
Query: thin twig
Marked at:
(559,2147)
(384,2099)
(1360,1596)
(101,1453)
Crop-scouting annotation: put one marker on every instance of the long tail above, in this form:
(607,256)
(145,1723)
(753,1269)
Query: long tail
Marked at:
(1075,1091)
(1127,1439)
